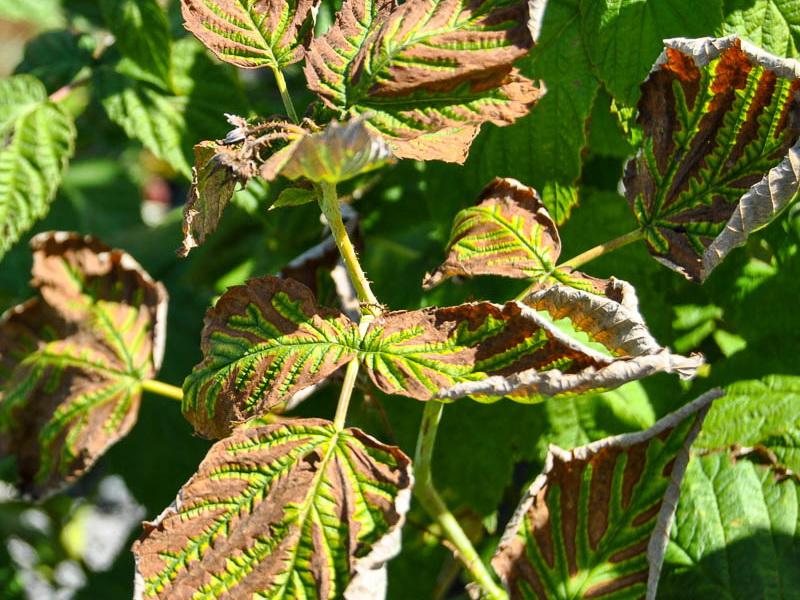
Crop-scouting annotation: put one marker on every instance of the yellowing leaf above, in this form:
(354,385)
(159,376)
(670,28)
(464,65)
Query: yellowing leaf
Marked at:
(720,159)
(252,33)
(595,523)
(72,360)
(425,68)
(291,510)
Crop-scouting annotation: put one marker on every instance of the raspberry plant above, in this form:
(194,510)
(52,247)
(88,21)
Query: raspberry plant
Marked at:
(397,97)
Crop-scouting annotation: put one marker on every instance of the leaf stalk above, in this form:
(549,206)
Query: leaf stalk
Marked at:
(350,377)
(432,502)
(162,389)
(600,250)
(280,80)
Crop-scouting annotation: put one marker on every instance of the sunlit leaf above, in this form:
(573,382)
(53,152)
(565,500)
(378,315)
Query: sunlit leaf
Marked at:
(422,69)
(292,510)
(594,524)
(252,33)
(509,233)
(262,343)
(721,120)
(72,360)
(774,25)
(38,140)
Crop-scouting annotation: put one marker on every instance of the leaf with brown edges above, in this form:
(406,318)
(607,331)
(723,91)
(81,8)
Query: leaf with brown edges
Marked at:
(596,522)
(291,510)
(72,360)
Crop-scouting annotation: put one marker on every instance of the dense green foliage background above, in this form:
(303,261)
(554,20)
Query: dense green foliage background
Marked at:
(592,54)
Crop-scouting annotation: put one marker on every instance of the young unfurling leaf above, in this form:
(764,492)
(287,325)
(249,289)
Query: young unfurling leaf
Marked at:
(595,523)
(425,74)
(509,233)
(291,510)
(721,120)
(72,360)
(252,33)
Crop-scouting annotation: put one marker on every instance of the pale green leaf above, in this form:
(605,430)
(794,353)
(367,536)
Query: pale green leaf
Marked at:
(771,24)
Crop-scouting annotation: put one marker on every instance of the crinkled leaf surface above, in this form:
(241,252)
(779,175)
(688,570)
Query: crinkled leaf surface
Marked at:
(594,523)
(736,533)
(291,510)
(425,67)
(72,360)
(509,233)
(774,25)
(721,120)
(262,343)
(170,121)
(252,33)
(38,141)
(141,33)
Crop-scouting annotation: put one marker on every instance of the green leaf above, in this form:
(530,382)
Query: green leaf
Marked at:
(43,14)
(141,30)
(169,122)
(719,161)
(544,148)
(509,233)
(624,37)
(736,533)
(773,25)
(39,138)
(758,413)
(594,523)
(262,343)
(56,57)
(252,33)
(425,68)
(291,510)
(294,196)
(72,360)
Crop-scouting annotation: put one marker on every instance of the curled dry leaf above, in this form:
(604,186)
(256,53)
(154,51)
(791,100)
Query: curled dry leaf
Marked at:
(616,348)
(596,522)
(509,233)
(720,158)
(262,343)
(72,360)
(426,74)
(252,33)
(296,510)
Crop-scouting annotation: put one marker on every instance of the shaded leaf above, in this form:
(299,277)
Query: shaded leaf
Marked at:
(141,31)
(774,25)
(170,121)
(719,161)
(38,141)
(758,413)
(544,148)
(72,360)
(425,67)
(736,533)
(279,510)
(56,57)
(594,523)
(295,196)
(252,33)
(262,343)
(509,233)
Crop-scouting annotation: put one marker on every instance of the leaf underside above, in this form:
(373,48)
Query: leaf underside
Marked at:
(594,523)
(425,74)
(72,360)
(290,510)
(720,120)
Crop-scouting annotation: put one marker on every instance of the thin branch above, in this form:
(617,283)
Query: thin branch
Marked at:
(64,91)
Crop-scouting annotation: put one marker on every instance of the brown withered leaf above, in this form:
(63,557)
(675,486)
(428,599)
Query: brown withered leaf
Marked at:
(596,521)
(252,33)
(72,361)
(262,343)
(509,233)
(597,343)
(425,67)
(298,509)
(720,157)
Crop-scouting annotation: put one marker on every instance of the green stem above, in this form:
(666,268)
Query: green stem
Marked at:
(602,249)
(329,203)
(162,389)
(431,501)
(280,80)
(350,377)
